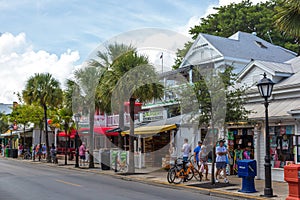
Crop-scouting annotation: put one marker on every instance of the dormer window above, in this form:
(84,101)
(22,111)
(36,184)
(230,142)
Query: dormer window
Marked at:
(260,44)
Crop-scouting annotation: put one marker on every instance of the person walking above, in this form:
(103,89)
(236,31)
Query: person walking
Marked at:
(196,154)
(221,152)
(203,157)
(53,154)
(20,150)
(186,149)
(82,151)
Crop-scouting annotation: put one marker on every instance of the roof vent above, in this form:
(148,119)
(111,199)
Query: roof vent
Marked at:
(260,44)
(254,33)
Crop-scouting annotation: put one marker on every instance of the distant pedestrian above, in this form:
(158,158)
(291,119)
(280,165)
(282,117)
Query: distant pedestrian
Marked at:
(196,154)
(20,149)
(82,151)
(44,151)
(53,154)
(186,149)
(221,164)
(203,156)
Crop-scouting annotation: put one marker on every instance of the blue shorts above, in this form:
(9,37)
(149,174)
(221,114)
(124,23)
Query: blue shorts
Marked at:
(221,165)
(185,159)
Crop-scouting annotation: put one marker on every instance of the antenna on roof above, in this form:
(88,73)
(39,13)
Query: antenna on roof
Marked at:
(268,32)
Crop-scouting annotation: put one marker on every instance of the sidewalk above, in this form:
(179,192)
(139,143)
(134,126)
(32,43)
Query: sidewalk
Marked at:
(158,177)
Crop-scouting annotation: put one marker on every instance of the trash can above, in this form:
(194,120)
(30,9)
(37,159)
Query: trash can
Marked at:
(14,153)
(247,170)
(7,152)
(292,176)
(105,160)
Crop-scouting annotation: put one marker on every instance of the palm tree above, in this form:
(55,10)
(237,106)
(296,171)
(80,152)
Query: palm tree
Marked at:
(88,79)
(109,79)
(288,18)
(138,81)
(44,90)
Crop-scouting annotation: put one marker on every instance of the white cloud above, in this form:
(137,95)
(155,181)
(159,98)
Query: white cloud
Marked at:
(18,62)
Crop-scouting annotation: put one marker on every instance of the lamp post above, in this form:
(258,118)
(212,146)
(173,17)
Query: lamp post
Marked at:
(265,87)
(77,119)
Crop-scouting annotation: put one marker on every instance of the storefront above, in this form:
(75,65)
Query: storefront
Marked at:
(152,144)
(240,146)
(281,145)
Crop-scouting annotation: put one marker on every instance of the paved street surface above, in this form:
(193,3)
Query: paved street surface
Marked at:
(27,181)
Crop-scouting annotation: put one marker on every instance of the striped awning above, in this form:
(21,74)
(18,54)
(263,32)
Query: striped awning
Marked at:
(151,130)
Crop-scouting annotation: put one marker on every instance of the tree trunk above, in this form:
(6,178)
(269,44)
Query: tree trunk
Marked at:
(131,168)
(41,128)
(121,125)
(91,149)
(46,135)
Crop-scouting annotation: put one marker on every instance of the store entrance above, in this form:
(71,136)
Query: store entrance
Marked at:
(240,146)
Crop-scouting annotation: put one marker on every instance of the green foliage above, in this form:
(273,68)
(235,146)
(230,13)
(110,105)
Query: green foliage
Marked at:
(180,54)
(288,18)
(246,17)
(44,90)
(217,94)
(3,123)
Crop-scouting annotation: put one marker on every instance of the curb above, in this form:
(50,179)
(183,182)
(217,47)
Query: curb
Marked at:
(204,191)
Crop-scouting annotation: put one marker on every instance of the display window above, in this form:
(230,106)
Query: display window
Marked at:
(281,145)
(240,146)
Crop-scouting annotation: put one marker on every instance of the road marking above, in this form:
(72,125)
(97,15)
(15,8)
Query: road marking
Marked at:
(68,183)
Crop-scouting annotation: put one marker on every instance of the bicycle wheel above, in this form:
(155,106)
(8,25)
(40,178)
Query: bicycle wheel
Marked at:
(190,174)
(198,175)
(27,156)
(169,176)
(177,175)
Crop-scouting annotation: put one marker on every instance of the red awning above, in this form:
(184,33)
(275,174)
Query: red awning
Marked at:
(63,134)
(101,130)
(135,103)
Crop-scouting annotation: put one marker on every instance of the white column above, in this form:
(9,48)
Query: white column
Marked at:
(55,136)
(191,76)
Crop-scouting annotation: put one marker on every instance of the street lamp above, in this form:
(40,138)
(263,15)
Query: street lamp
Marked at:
(77,119)
(265,87)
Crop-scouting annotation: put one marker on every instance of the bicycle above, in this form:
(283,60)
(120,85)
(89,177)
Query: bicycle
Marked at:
(177,173)
(27,155)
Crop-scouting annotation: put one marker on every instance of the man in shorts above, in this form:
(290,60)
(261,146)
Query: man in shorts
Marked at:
(203,156)
(82,151)
(221,152)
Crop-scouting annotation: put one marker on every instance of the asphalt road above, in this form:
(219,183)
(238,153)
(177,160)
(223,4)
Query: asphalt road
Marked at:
(25,181)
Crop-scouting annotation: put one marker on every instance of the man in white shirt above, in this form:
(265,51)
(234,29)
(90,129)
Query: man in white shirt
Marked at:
(186,149)
(221,152)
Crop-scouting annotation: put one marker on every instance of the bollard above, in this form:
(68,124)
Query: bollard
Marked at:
(292,176)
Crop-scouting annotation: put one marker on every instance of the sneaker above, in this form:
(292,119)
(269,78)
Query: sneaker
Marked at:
(217,181)
(226,180)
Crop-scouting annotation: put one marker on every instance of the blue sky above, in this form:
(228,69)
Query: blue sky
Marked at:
(56,36)
(57,25)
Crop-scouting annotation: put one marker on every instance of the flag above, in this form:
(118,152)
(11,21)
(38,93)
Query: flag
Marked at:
(161,56)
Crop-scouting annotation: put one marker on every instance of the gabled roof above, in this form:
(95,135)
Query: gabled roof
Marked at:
(295,62)
(243,46)
(274,68)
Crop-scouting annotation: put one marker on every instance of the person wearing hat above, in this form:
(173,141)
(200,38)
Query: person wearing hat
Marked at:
(196,153)
(221,152)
